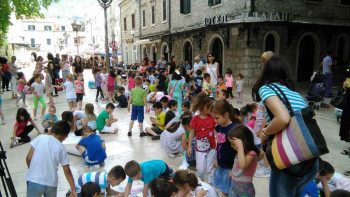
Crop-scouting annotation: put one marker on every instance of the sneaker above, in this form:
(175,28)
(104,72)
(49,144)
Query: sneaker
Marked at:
(85,165)
(156,137)
(16,104)
(14,143)
(24,105)
(171,155)
(262,173)
(130,134)
(3,122)
(143,134)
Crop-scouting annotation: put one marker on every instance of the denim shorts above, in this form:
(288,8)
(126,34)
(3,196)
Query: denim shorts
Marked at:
(71,100)
(137,113)
(38,190)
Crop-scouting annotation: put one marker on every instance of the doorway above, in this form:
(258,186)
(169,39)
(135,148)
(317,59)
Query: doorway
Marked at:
(270,43)
(165,52)
(154,53)
(217,51)
(188,52)
(306,58)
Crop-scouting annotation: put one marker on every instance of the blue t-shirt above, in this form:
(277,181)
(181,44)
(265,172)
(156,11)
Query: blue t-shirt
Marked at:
(198,81)
(225,153)
(151,170)
(48,117)
(97,82)
(311,190)
(94,149)
(325,64)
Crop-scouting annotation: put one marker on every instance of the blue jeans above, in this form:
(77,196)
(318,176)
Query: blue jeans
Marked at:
(64,72)
(286,185)
(37,190)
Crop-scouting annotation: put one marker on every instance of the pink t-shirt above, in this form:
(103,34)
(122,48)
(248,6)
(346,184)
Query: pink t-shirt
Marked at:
(21,126)
(79,86)
(111,81)
(244,176)
(20,84)
(229,81)
(131,83)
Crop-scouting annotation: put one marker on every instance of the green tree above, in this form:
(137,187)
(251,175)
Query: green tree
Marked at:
(21,8)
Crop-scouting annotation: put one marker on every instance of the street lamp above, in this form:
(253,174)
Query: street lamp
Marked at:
(105,4)
(76,27)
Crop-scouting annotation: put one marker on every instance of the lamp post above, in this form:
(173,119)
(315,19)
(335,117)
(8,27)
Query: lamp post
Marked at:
(105,4)
(76,27)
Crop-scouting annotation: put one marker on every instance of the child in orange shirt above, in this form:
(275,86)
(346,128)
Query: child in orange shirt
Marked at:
(221,84)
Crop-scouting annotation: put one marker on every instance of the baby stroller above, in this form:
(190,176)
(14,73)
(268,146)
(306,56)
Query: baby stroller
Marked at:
(315,93)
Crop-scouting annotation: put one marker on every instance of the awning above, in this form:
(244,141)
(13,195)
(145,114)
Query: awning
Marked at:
(144,41)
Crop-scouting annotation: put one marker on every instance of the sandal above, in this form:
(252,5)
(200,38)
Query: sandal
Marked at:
(344,152)
(347,173)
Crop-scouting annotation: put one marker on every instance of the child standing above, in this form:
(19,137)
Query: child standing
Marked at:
(21,83)
(42,177)
(37,89)
(138,100)
(229,82)
(21,128)
(1,114)
(158,123)
(146,172)
(104,77)
(202,126)
(105,120)
(71,96)
(111,84)
(198,80)
(79,89)
(48,84)
(188,185)
(98,82)
(92,149)
(131,81)
(245,162)
(240,87)
(224,116)
(49,119)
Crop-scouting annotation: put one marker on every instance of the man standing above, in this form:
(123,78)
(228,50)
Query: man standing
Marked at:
(327,70)
(162,62)
(202,58)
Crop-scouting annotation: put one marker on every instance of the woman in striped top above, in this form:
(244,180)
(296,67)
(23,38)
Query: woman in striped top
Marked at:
(290,181)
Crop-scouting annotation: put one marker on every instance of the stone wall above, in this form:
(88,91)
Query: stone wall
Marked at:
(160,26)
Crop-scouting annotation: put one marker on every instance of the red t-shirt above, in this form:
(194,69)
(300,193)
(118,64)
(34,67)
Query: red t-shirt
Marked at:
(5,67)
(204,133)
(79,86)
(21,126)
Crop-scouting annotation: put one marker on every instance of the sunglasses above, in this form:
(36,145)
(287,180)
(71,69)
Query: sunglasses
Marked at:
(210,56)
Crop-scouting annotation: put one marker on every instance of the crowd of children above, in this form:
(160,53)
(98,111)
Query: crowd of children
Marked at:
(193,116)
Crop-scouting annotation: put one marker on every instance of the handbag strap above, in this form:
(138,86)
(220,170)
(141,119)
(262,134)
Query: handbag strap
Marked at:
(208,65)
(174,88)
(284,99)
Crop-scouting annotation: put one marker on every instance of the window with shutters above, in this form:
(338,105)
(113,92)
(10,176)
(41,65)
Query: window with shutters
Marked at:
(48,41)
(125,24)
(164,10)
(153,15)
(214,2)
(32,42)
(143,18)
(345,2)
(47,28)
(63,28)
(31,27)
(133,21)
(185,6)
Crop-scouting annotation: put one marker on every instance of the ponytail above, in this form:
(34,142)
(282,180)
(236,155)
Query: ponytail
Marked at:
(184,176)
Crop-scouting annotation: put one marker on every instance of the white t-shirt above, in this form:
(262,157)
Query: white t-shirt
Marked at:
(196,66)
(49,152)
(70,90)
(39,88)
(104,76)
(206,187)
(79,114)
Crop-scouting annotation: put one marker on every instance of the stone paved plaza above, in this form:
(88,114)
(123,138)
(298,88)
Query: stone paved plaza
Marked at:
(121,148)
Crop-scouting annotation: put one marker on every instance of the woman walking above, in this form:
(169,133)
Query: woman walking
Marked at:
(212,68)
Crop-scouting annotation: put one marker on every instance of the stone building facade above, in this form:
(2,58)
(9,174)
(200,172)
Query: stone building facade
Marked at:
(237,32)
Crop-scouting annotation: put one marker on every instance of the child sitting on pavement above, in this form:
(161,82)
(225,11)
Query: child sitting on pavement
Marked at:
(49,119)
(120,99)
(159,123)
(91,148)
(146,172)
(105,120)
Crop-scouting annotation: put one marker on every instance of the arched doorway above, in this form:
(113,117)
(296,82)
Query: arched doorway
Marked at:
(144,51)
(306,58)
(188,52)
(218,52)
(270,43)
(165,51)
(342,50)
(154,53)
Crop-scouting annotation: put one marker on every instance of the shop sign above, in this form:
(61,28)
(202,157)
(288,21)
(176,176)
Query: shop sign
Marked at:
(267,16)
(219,19)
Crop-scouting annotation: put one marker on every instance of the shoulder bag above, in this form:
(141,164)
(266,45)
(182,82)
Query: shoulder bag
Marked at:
(301,140)
(174,89)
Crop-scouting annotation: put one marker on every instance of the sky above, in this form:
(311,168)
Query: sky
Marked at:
(70,8)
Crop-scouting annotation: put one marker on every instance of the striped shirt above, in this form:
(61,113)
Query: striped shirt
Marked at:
(100,178)
(295,99)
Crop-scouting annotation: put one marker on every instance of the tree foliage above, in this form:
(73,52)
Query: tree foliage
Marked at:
(22,9)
